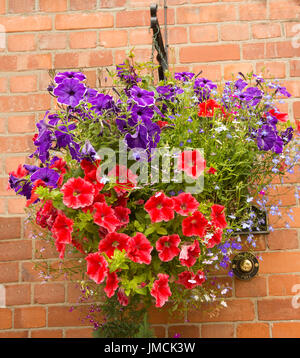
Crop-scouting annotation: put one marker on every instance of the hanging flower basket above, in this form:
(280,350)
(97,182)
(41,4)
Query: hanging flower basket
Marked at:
(143,188)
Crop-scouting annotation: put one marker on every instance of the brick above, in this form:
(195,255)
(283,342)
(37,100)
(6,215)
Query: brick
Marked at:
(213,72)
(281,49)
(163,316)
(295,68)
(217,330)
(5,318)
(276,309)
(232,70)
(286,194)
(236,310)
(209,53)
(12,163)
(284,219)
(234,32)
(3,82)
(21,6)
(114,38)
(86,39)
(80,5)
(79,333)
(53,5)
(2,125)
(64,316)
(293,87)
(15,144)
(2,6)
(213,13)
(15,250)
(271,69)
(14,334)
(83,21)
(282,285)
(296,109)
(253,330)
(266,30)
(30,317)
(52,41)
(132,18)
(253,11)
(203,33)
(280,262)
(253,51)
(177,35)
(35,62)
(47,333)
(291,28)
(21,124)
(10,228)
(257,287)
(23,83)
(73,292)
(29,273)
(24,42)
(49,293)
(66,60)
(17,294)
(28,103)
(159,331)
(8,63)
(9,272)
(26,23)
(185,331)
(98,59)
(284,9)
(286,330)
(283,240)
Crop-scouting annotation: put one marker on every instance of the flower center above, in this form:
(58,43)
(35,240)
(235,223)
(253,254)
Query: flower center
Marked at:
(71,93)
(115,244)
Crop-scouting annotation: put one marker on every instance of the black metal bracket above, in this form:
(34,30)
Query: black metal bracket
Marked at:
(158,43)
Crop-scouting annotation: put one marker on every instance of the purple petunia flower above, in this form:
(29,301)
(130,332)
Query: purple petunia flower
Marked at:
(203,87)
(43,142)
(268,139)
(53,119)
(252,95)
(168,92)
(142,97)
(240,84)
(183,76)
(70,92)
(88,151)
(140,114)
(287,135)
(69,74)
(101,102)
(49,176)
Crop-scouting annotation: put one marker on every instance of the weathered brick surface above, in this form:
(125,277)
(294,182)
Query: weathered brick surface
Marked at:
(219,37)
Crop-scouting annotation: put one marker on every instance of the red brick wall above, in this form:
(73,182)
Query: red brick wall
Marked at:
(220,37)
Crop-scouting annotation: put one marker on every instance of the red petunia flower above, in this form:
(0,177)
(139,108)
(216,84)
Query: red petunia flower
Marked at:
(297,122)
(167,246)
(192,163)
(114,241)
(105,217)
(122,214)
(61,166)
(160,208)
(98,198)
(189,254)
(122,298)
(139,249)
(161,290)
(199,277)
(61,248)
(187,279)
(213,236)
(46,215)
(212,170)
(185,203)
(97,267)
(77,193)
(209,108)
(111,284)
(20,172)
(92,173)
(124,178)
(282,117)
(62,228)
(34,197)
(162,124)
(217,216)
(194,225)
